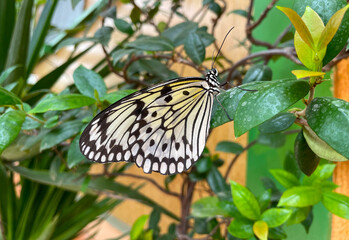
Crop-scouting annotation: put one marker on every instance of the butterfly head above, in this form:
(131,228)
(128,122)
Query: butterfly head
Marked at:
(211,78)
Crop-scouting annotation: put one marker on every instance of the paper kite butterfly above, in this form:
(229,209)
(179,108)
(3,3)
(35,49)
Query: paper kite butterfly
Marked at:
(161,128)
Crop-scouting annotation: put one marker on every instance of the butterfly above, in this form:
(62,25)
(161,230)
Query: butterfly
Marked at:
(162,128)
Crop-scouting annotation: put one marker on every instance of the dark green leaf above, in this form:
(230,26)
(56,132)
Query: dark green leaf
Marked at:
(151,44)
(7,22)
(278,123)
(270,99)
(217,183)
(277,233)
(245,201)
(73,182)
(87,81)
(258,72)
(229,147)
(214,7)
(51,122)
(154,218)
(239,12)
(136,14)
(275,217)
(336,203)
(274,140)
(103,35)
(74,154)
(307,160)
(308,221)
(62,102)
(123,26)
(156,68)
(241,228)
(207,207)
(179,33)
(116,96)
(120,53)
(290,164)
(195,48)
(328,117)
(138,226)
(203,165)
(264,199)
(60,134)
(110,12)
(6,73)
(8,98)
(40,32)
(10,126)
(18,48)
(205,37)
(300,197)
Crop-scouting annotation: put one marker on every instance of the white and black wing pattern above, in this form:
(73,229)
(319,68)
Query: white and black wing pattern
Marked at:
(163,128)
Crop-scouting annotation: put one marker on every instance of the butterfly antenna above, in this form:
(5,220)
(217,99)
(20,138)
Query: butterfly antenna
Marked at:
(219,50)
(225,110)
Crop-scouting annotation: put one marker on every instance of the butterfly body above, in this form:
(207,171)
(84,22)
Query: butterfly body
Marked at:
(161,128)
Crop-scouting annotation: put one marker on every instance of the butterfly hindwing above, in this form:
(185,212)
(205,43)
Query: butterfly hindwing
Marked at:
(162,128)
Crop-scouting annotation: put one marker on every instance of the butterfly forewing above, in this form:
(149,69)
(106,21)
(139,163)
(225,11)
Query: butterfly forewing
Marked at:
(162,128)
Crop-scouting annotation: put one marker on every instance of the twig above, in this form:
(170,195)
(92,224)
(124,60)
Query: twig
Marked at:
(280,37)
(342,55)
(153,182)
(288,52)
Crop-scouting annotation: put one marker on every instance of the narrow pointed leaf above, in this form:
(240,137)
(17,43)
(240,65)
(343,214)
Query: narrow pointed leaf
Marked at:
(8,98)
(337,204)
(304,74)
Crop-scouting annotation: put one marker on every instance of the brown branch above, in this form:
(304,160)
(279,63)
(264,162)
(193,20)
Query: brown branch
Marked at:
(342,55)
(153,182)
(250,27)
(288,52)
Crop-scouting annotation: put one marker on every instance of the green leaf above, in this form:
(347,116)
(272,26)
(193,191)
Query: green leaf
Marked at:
(326,9)
(290,164)
(60,134)
(214,7)
(277,233)
(6,73)
(306,74)
(273,140)
(74,155)
(10,126)
(258,72)
(241,228)
(179,33)
(240,12)
(8,98)
(62,102)
(116,96)
(40,33)
(264,199)
(103,35)
(270,99)
(138,226)
(300,197)
(123,26)
(260,229)
(319,147)
(217,183)
(322,173)
(229,147)
(307,160)
(278,123)
(205,37)
(309,56)
(207,207)
(328,117)
(203,164)
(120,53)
(109,13)
(87,81)
(151,44)
(300,26)
(331,28)
(7,22)
(195,48)
(51,122)
(336,203)
(286,179)
(19,46)
(298,215)
(275,217)
(135,14)
(245,201)
(156,68)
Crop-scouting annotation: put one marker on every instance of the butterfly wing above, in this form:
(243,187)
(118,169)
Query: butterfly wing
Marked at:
(163,128)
